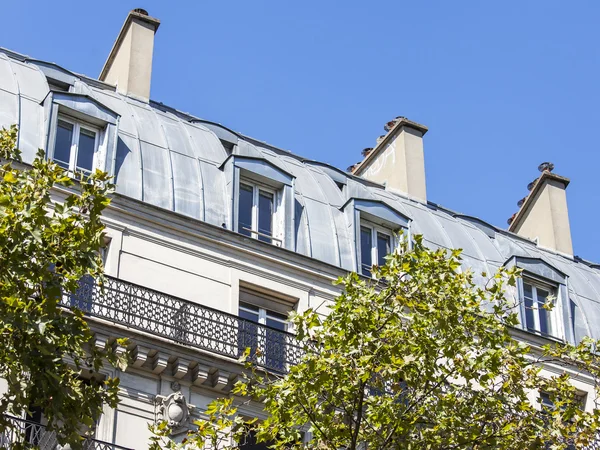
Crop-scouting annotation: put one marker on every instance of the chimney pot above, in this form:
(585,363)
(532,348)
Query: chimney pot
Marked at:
(141,11)
(366,151)
(531,185)
(389,125)
(546,166)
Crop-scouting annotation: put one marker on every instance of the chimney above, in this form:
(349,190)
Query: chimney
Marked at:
(129,64)
(398,160)
(544,214)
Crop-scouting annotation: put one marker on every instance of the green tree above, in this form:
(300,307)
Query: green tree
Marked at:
(45,249)
(422,359)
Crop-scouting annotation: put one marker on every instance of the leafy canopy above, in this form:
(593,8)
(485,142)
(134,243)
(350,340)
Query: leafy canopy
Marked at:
(45,249)
(422,359)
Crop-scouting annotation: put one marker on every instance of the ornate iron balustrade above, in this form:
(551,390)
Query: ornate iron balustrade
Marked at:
(185,322)
(25,433)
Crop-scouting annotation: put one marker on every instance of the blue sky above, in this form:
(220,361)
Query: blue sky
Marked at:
(502,86)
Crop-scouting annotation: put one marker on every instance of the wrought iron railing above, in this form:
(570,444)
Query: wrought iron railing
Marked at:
(185,322)
(25,433)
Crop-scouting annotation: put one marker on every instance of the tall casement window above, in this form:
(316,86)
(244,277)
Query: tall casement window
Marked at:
(267,345)
(375,244)
(76,145)
(257,207)
(263,328)
(537,318)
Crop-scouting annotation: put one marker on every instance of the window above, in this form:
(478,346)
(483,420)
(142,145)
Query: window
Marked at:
(83,298)
(248,442)
(537,318)
(547,405)
(270,341)
(264,327)
(262,199)
(375,244)
(35,423)
(76,145)
(257,205)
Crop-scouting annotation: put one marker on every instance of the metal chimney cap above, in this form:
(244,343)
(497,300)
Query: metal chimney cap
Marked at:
(546,166)
(141,11)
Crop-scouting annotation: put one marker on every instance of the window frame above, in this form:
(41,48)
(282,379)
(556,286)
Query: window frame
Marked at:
(375,230)
(257,187)
(545,401)
(555,330)
(74,147)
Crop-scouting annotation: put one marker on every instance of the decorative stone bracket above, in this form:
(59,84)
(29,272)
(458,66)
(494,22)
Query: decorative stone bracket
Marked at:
(174,410)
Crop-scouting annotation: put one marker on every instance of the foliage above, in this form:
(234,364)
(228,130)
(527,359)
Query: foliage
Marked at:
(45,249)
(423,359)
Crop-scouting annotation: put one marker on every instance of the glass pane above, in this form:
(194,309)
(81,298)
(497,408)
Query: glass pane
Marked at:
(280,325)
(248,306)
(366,245)
(277,316)
(527,290)
(247,335)
(383,248)
(542,297)
(62,146)
(265,215)
(245,210)
(248,315)
(84,295)
(545,326)
(529,320)
(547,403)
(248,442)
(85,149)
(248,329)
(275,347)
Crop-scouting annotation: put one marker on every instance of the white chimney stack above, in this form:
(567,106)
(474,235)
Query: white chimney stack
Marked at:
(398,160)
(129,64)
(544,215)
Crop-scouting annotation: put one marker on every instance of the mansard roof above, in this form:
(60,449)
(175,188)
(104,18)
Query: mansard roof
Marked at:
(173,160)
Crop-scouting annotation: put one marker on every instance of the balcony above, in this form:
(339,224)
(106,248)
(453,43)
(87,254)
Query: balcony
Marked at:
(24,433)
(185,322)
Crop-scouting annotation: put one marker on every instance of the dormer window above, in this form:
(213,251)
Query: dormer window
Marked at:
(375,244)
(542,283)
(76,145)
(262,200)
(375,225)
(81,133)
(257,205)
(537,317)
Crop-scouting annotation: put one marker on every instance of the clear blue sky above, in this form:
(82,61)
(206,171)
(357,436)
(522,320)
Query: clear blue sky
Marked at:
(502,86)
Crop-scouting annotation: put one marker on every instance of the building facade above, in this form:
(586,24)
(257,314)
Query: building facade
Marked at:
(213,236)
